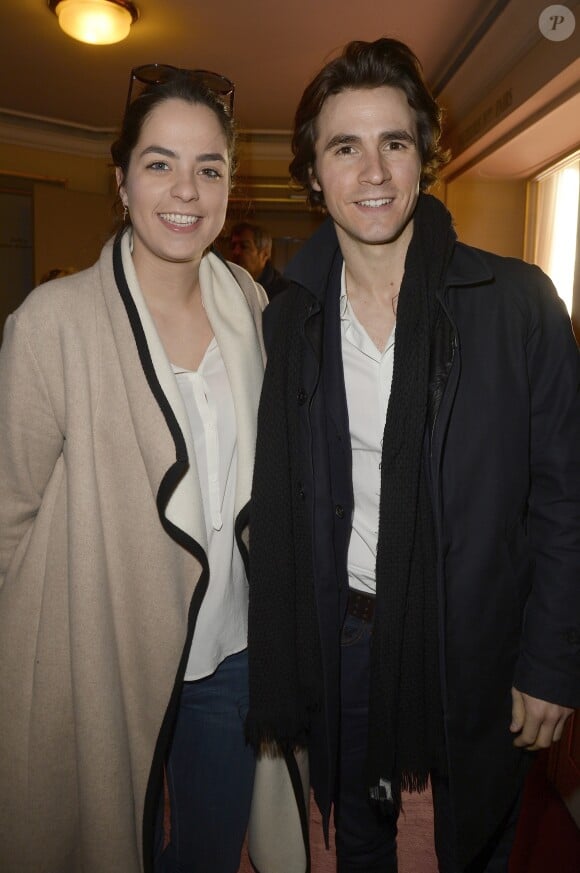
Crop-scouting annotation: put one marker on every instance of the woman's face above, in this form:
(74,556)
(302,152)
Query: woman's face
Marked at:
(177,183)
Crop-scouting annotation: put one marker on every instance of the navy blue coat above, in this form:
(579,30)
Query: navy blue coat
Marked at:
(503,463)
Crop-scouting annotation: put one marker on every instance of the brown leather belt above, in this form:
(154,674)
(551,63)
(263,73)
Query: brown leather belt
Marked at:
(361,605)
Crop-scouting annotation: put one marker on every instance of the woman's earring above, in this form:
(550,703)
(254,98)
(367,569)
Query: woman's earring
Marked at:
(125,212)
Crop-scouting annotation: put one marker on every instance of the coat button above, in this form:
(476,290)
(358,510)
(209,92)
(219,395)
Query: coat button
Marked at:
(301,397)
(339,510)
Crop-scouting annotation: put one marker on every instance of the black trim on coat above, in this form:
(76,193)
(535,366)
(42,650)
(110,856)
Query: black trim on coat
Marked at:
(168,484)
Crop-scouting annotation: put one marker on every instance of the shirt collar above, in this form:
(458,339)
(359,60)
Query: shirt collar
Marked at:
(343,294)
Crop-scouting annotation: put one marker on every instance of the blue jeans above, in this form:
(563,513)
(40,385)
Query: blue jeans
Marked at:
(210,775)
(366,838)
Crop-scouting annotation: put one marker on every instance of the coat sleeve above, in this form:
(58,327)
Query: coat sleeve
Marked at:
(549,662)
(271,318)
(30,437)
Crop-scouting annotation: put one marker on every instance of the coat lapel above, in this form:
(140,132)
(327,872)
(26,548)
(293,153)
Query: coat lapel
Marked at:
(240,346)
(172,470)
(234,319)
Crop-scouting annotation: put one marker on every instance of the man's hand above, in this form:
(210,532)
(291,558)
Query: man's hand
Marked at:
(537,723)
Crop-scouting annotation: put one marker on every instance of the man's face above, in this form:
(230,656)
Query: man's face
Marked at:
(243,251)
(368,165)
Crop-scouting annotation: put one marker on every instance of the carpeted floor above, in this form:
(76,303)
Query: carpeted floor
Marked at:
(547,841)
(415,839)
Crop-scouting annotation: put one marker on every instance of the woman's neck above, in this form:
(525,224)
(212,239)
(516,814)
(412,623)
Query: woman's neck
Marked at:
(167,285)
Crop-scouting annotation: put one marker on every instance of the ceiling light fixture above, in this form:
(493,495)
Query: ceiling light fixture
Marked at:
(98,22)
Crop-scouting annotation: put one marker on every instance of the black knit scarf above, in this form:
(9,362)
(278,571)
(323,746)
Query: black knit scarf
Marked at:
(405,717)
(283,641)
(406,738)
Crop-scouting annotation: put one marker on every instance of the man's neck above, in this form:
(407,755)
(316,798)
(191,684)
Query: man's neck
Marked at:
(373,276)
(375,270)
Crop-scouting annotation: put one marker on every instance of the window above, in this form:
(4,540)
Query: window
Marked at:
(553,229)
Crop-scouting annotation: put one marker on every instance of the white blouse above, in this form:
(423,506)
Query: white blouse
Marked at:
(221,628)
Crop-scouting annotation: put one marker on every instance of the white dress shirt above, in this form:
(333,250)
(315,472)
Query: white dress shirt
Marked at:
(367,374)
(221,627)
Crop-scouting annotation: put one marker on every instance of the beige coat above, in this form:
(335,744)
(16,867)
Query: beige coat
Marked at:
(101,551)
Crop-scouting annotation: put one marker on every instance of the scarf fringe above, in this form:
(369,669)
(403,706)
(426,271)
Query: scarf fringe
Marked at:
(270,740)
(414,783)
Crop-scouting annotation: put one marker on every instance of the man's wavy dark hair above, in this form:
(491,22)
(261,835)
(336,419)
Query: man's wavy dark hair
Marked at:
(368,65)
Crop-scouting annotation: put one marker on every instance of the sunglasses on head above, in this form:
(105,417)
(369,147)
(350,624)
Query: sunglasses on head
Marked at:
(148,75)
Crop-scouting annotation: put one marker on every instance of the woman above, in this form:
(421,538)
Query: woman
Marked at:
(128,397)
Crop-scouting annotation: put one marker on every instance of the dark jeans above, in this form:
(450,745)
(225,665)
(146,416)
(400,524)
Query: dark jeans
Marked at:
(210,775)
(365,836)
(366,839)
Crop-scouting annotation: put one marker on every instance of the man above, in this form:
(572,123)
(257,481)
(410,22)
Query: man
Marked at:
(415,529)
(251,248)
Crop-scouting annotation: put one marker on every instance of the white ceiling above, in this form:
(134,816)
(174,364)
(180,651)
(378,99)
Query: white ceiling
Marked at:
(270,49)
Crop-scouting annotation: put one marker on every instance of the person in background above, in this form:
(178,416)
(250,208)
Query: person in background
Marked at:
(251,248)
(128,402)
(56,273)
(414,595)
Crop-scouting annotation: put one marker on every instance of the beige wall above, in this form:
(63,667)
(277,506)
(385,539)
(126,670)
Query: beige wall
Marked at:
(73,199)
(78,172)
(70,227)
(489,214)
